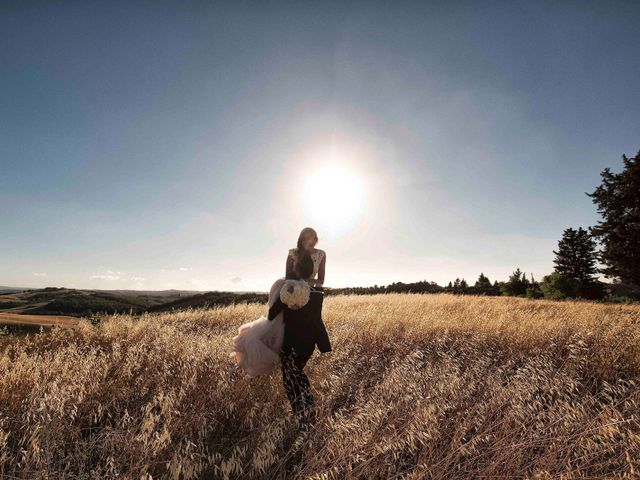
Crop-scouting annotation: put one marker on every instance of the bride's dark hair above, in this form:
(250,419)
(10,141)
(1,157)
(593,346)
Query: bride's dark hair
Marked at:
(302,235)
(304,265)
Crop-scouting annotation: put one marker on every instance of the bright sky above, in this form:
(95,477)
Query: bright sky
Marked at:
(157,145)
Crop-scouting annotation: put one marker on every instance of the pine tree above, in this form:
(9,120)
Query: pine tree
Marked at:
(482,285)
(482,282)
(516,285)
(576,256)
(618,202)
(575,261)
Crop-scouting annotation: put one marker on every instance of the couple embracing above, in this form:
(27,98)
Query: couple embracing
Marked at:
(293,328)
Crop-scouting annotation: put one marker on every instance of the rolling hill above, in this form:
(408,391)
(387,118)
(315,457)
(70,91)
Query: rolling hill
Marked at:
(73,302)
(209,299)
(68,301)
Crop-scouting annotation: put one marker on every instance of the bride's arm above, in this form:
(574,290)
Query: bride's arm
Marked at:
(321,268)
(289,268)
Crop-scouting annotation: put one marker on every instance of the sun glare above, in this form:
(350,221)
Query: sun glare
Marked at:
(334,199)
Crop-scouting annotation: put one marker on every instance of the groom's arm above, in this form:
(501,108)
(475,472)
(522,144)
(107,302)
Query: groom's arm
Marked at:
(275,309)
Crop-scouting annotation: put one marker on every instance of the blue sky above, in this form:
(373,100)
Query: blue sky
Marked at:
(157,145)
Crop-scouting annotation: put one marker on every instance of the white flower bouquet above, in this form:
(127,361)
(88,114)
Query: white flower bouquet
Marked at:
(295,293)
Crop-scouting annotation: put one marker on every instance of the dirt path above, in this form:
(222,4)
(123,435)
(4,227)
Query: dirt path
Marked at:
(36,320)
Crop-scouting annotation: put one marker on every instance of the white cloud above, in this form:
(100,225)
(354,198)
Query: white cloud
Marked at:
(138,279)
(236,280)
(39,274)
(104,277)
(179,269)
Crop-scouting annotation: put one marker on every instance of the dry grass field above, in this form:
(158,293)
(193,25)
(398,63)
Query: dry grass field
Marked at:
(418,386)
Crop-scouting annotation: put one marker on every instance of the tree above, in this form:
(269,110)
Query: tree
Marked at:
(576,259)
(618,202)
(533,289)
(483,286)
(576,256)
(558,286)
(534,292)
(516,285)
(482,282)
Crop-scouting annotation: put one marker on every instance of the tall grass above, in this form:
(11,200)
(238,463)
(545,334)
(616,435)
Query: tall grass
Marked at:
(418,386)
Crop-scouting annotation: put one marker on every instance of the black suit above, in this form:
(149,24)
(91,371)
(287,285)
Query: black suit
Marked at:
(303,331)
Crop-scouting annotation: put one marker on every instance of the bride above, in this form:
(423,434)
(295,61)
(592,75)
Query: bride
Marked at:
(307,241)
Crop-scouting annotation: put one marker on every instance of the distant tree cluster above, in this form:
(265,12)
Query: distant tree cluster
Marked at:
(517,285)
(578,259)
(396,287)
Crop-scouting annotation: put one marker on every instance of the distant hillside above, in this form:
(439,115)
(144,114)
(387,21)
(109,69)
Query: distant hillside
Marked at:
(72,302)
(13,289)
(68,301)
(153,293)
(210,299)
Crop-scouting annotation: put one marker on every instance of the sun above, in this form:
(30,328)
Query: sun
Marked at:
(334,199)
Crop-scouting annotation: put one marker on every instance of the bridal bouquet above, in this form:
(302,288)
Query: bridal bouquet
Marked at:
(295,293)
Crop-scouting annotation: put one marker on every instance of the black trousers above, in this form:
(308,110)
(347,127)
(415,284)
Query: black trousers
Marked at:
(296,383)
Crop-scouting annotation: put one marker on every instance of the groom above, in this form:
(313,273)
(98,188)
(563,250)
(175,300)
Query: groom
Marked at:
(303,331)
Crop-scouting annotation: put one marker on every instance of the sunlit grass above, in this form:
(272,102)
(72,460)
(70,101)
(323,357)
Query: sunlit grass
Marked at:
(418,386)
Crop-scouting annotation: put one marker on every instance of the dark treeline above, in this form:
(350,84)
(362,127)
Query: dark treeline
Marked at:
(611,248)
(553,287)
(517,285)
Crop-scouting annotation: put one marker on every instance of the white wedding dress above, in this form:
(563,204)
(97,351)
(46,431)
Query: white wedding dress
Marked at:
(257,345)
